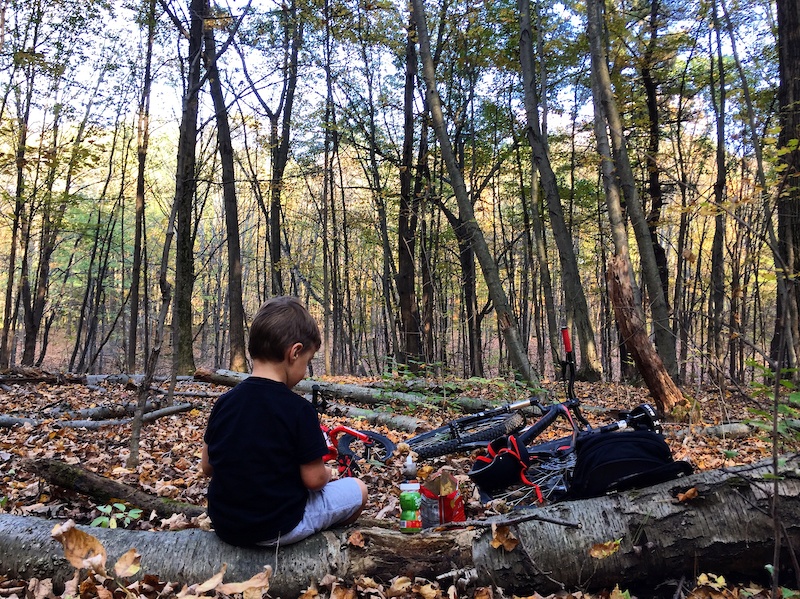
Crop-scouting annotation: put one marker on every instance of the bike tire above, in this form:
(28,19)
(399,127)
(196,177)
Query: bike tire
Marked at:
(457,436)
(380,450)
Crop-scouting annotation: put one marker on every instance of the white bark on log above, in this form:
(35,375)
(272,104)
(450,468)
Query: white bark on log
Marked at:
(11,421)
(356,393)
(726,530)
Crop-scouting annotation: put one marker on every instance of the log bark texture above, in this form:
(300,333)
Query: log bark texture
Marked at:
(726,530)
(102,489)
(665,392)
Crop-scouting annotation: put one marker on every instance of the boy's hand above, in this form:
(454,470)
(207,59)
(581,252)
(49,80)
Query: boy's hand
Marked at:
(315,475)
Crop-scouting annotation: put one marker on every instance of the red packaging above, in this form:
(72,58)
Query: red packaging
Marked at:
(441,501)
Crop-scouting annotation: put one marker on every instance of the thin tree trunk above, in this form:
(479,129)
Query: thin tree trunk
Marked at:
(185,189)
(238,356)
(142,144)
(410,352)
(716,300)
(665,342)
(505,317)
(788,202)
(575,298)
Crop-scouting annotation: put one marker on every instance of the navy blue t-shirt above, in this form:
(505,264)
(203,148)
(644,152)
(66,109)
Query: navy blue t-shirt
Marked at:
(258,435)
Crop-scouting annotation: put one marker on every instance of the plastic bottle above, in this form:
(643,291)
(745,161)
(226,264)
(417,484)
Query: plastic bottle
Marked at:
(410,501)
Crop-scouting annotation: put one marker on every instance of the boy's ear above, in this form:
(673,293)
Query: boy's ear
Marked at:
(294,352)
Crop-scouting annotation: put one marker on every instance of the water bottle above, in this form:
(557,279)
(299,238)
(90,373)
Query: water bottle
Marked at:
(410,501)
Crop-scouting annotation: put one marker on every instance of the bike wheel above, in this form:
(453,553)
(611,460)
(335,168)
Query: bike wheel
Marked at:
(352,450)
(458,435)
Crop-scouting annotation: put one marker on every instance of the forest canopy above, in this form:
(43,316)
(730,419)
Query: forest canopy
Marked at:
(443,183)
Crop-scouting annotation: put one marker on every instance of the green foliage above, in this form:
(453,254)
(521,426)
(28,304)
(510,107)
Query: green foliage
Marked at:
(783,416)
(116,515)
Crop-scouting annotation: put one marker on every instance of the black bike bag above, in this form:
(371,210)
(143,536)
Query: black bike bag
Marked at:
(622,460)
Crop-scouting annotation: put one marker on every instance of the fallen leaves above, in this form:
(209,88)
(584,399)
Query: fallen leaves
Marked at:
(503,537)
(690,494)
(81,549)
(604,550)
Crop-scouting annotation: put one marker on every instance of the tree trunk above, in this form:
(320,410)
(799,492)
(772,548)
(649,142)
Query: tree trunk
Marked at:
(788,206)
(185,187)
(716,300)
(142,143)
(410,350)
(505,317)
(726,530)
(238,356)
(665,342)
(575,298)
(634,333)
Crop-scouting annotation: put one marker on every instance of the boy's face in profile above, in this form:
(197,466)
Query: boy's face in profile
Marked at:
(299,366)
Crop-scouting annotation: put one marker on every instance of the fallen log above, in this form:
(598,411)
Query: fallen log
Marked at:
(725,529)
(11,421)
(104,490)
(355,393)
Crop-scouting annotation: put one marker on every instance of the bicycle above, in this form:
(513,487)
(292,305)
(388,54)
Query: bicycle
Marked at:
(515,470)
(362,446)
(469,432)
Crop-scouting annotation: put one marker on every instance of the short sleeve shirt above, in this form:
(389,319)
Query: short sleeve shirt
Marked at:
(258,436)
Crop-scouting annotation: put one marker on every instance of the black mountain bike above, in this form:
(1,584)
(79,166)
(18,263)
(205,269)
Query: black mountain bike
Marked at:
(474,430)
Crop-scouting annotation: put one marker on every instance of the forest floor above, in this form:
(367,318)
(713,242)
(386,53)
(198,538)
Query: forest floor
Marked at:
(170,456)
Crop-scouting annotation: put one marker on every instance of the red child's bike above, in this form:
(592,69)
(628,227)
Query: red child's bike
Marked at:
(362,447)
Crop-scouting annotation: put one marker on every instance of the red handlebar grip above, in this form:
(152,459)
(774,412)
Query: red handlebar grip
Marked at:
(567,340)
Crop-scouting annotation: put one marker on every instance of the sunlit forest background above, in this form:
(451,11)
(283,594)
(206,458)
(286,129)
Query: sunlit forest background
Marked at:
(167,166)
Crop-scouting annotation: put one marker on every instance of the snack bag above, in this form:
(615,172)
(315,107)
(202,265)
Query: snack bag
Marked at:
(441,500)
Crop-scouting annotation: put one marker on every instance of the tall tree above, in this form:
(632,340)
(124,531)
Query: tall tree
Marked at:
(185,188)
(238,356)
(142,144)
(573,290)
(788,202)
(505,317)
(665,342)
(716,300)
(411,331)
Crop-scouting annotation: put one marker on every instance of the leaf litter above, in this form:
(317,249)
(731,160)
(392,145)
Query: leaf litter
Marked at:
(169,467)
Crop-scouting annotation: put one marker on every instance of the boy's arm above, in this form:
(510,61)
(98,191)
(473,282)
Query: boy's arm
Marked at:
(205,465)
(315,474)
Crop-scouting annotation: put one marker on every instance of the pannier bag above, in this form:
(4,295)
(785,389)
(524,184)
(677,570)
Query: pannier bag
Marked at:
(620,461)
(503,466)
(605,462)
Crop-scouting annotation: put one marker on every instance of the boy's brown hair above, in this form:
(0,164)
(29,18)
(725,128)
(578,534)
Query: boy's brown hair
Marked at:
(281,322)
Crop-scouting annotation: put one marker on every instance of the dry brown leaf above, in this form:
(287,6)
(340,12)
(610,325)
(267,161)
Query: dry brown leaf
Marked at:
(343,592)
(367,582)
(258,582)
(310,593)
(128,564)
(428,591)
(81,549)
(40,589)
(104,593)
(400,586)
(483,593)
(503,537)
(356,539)
(604,550)
(212,582)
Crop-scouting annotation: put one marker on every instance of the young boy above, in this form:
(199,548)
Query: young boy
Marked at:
(263,446)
